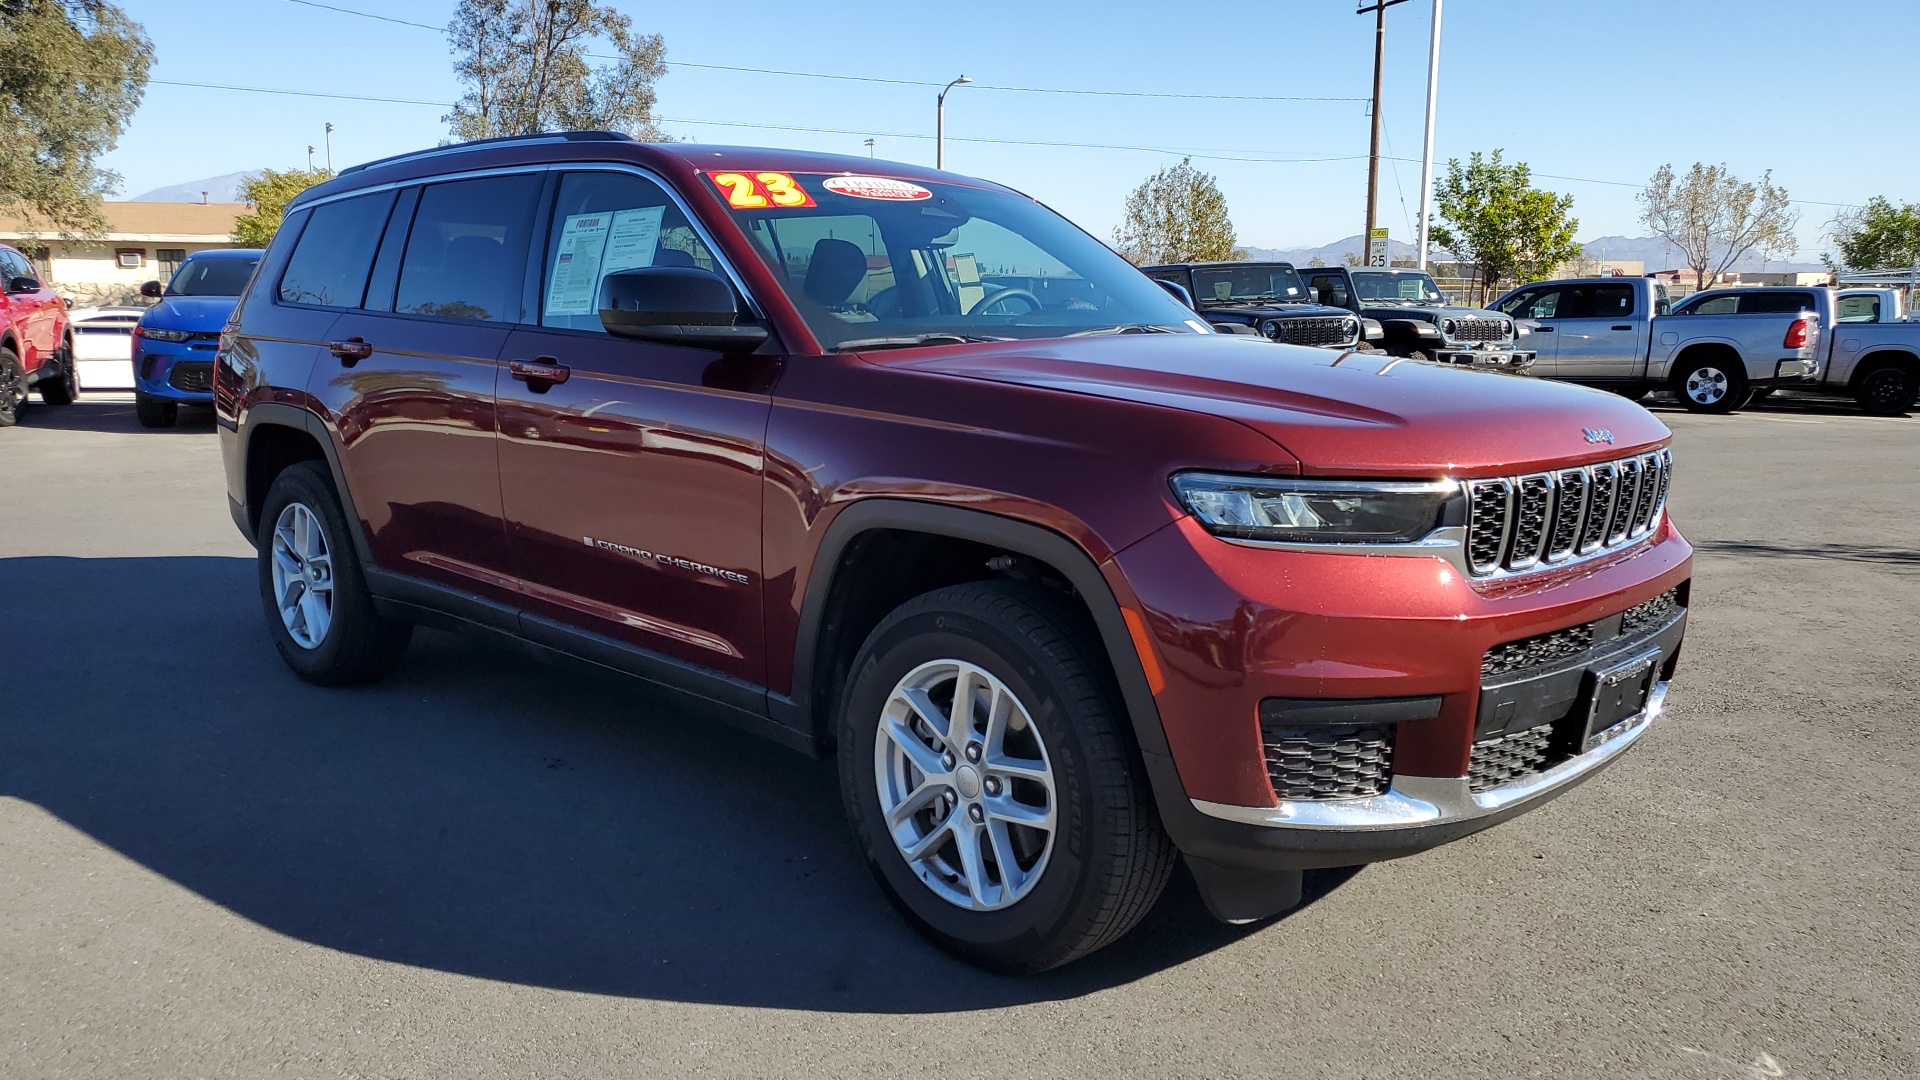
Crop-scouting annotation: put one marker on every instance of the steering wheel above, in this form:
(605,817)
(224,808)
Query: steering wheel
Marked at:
(1033,302)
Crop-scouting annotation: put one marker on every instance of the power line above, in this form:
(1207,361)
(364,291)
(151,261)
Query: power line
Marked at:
(876,79)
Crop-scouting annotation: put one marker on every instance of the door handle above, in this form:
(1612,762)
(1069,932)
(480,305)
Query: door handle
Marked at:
(1629,327)
(351,351)
(1543,329)
(539,373)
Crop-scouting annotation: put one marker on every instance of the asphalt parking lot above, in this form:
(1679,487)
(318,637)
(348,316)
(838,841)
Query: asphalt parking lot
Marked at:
(494,866)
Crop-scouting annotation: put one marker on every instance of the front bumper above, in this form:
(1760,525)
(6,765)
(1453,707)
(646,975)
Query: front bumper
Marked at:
(170,371)
(1516,361)
(1232,627)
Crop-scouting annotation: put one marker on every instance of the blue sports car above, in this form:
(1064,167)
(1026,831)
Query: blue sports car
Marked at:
(175,341)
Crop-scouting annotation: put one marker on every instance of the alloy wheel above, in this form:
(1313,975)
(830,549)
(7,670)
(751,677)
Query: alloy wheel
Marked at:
(302,575)
(1706,385)
(965,784)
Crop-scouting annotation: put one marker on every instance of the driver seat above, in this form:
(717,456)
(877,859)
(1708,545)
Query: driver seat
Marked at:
(836,269)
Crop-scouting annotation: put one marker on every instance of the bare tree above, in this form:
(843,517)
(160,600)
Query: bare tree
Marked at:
(1712,213)
(525,67)
(1177,215)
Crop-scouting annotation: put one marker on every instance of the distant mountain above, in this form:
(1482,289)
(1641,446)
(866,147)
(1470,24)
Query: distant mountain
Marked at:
(1654,251)
(224,189)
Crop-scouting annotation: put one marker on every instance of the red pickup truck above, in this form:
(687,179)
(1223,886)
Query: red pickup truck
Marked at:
(36,346)
(900,466)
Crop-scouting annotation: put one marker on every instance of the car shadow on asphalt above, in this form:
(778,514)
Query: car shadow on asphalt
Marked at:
(1860,553)
(479,812)
(112,416)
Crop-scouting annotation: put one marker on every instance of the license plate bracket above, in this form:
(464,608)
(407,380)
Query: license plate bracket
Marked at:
(1620,692)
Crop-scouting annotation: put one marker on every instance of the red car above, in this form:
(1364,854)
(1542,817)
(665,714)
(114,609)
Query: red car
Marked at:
(36,346)
(1070,584)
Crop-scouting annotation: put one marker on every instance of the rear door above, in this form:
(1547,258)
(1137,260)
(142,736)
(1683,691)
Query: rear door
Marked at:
(409,379)
(631,475)
(1602,334)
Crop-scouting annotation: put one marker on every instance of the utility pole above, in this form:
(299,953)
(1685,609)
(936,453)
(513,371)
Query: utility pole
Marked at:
(1379,10)
(1426,156)
(329,147)
(940,123)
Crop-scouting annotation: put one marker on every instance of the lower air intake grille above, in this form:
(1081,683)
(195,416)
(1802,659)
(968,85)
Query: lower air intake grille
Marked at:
(1655,612)
(1338,761)
(1534,651)
(191,375)
(1504,759)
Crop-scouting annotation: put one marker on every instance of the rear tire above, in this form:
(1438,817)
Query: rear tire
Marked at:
(13,388)
(1713,385)
(154,413)
(66,389)
(1887,391)
(1074,886)
(318,609)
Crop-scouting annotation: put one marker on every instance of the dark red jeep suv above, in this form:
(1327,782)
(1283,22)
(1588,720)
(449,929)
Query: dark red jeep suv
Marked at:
(900,466)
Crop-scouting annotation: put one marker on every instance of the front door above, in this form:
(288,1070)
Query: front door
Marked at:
(1540,310)
(630,473)
(1602,337)
(411,383)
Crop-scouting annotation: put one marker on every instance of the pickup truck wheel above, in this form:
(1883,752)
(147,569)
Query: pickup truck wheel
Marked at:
(13,388)
(1711,386)
(317,605)
(1887,391)
(1016,831)
(154,413)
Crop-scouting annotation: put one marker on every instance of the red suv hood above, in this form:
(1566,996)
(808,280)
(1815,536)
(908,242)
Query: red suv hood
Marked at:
(1353,413)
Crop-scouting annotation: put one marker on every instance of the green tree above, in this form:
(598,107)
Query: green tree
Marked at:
(1877,236)
(268,192)
(1177,215)
(71,74)
(1492,217)
(1714,218)
(525,67)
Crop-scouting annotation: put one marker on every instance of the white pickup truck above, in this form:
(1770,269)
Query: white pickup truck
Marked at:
(1718,349)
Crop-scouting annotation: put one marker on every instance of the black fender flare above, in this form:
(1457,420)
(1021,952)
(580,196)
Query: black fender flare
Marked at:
(800,710)
(279,414)
(1880,358)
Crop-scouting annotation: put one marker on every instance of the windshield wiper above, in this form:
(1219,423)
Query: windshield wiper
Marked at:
(911,341)
(1125,328)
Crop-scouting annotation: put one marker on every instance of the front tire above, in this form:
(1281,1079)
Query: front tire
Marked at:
(1887,391)
(318,609)
(154,413)
(13,388)
(1713,385)
(1018,833)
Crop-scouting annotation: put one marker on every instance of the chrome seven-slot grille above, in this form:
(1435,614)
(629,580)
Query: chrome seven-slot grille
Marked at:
(1479,330)
(1517,523)
(1332,330)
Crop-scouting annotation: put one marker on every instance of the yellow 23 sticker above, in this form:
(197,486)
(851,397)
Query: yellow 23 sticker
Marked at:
(760,191)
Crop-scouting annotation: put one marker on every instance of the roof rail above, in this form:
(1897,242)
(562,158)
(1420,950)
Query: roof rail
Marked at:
(454,148)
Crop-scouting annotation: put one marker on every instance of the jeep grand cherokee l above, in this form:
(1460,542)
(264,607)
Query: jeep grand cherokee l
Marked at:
(1070,586)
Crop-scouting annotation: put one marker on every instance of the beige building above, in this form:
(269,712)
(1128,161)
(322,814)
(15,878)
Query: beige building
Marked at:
(144,241)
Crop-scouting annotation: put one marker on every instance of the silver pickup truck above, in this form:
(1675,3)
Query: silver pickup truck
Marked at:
(1718,349)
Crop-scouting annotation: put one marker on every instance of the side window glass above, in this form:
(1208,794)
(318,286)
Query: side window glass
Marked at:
(1544,304)
(466,255)
(1662,304)
(1719,305)
(1859,309)
(329,264)
(605,222)
(1612,301)
(1330,290)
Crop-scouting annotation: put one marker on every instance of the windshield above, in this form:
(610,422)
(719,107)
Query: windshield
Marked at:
(1383,286)
(1254,281)
(212,277)
(877,262)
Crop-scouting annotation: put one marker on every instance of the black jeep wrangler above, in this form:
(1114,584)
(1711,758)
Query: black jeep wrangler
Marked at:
(1417,317)
(1267,297)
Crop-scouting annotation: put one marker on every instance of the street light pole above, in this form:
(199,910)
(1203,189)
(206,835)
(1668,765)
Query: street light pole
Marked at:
(1426,156)
(1379,10)
(329,146)
(940,123)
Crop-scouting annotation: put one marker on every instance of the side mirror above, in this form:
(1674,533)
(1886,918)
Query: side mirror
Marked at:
(22,284)
(1178,291)
(676,305)
(153,289)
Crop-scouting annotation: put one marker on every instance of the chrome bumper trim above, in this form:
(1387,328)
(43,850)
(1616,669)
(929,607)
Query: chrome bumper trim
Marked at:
(1418,801)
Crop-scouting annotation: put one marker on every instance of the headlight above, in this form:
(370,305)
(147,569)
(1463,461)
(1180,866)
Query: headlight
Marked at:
(164,335)
(1320,511)
(1271,329)
(1447,327)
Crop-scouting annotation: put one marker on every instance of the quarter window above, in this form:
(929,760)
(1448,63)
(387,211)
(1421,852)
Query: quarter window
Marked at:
(466,255)
(329,263)
(605,222)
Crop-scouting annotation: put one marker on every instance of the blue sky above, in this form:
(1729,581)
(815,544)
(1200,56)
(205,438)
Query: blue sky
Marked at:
(1594,94)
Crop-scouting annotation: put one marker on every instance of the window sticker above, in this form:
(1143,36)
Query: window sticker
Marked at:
(595,245)
(876,187)
(762,191)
